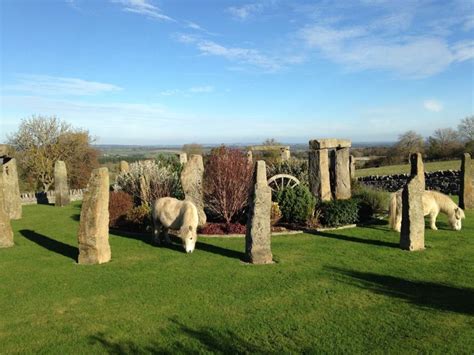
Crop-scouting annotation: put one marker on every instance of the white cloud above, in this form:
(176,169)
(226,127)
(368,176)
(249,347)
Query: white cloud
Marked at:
(202,89)
(245,11)
(143,7)
(60,86)
(412,56)
(433,105)
(193,90)
(242,55)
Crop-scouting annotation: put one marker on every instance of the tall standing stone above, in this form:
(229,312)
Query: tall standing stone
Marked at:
(93,235)
(124,167)
(183,158)
(258,235)
(249,157)
(412,234)
(466,191)
(417,168)
(319,178)
(285,153)
(11,189)
(61,188)
(352,166)
(6,232)
(192,182)
(342,174)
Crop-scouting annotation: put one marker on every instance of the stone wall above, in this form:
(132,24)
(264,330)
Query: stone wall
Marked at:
(33,198)
(447,181)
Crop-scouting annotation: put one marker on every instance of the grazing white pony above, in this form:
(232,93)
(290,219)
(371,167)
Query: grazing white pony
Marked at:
(433,203)
(168,212)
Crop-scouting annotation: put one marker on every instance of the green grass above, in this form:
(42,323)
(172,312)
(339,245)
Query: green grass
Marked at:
(405,168)
(336,292)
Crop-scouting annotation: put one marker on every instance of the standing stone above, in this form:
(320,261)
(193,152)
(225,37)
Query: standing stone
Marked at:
(319,179)
(258,235)
(6,232)
(192,182)
(352,166)
(249,157)
(412,234)
(11,189)
(61,188)
(124,167)
(417,168)
(183,158)
(342,175)
(144,190)
(466,192)
(285,153)
(93,235)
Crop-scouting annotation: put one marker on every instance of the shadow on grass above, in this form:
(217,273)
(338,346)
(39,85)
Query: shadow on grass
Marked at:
(180,338)
(76,217)
(425,294)
(356,239)
(177,244)
(51,244)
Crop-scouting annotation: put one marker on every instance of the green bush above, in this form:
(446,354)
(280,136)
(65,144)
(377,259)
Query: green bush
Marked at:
(297,204)
(339,212)
(372,202)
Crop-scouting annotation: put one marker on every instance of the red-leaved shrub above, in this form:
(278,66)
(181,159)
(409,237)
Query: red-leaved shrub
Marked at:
(223,228)
(227,182)
(120,203)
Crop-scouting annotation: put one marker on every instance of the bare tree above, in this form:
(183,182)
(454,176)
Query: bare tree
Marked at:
(227,182)
(192,148)
(466,128)
(409,142)
(41,141)
(444,143)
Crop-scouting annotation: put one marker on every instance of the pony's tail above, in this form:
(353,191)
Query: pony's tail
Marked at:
(392,210)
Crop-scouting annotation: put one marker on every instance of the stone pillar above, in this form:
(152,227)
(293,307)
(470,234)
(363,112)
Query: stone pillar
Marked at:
(192,182)
(11,189)
(61,188)
(249,157)
(124,166)
(412,234)
(6,232)
(183,158)
(319,180)
(352,166)
(417,168)
(93,235)
(466,192)
(342,181)
(285,153)
(258,235)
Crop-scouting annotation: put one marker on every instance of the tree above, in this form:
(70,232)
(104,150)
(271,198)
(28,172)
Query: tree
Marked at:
(466,128)
(193,148)
(227,182)
(445,143)
(409,142)
(40,141)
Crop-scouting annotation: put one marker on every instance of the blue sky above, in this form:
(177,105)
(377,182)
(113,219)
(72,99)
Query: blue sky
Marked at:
(173,72)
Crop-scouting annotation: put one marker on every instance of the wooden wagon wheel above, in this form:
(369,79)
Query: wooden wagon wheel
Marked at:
(280,181)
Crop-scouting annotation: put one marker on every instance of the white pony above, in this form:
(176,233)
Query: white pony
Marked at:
(168,212)
(433,203)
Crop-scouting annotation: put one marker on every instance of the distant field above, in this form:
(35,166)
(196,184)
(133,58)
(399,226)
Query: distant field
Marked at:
(405,168)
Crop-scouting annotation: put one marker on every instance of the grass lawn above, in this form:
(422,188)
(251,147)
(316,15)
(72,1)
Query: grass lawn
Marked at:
(405,168)
(343,291)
